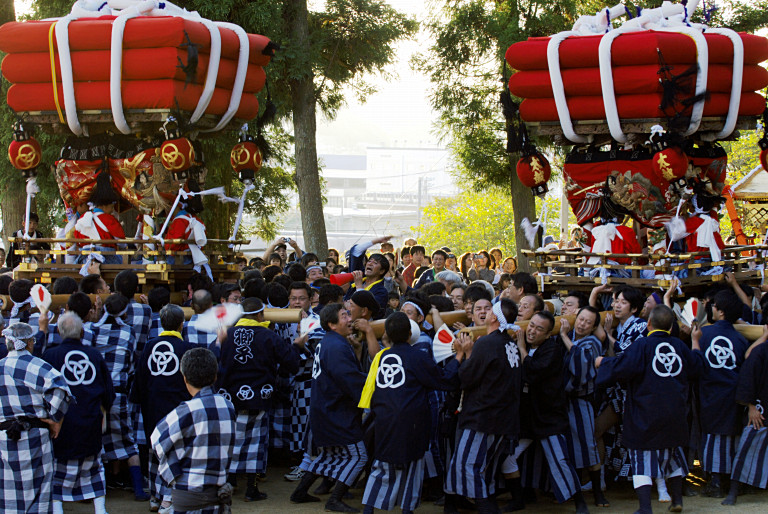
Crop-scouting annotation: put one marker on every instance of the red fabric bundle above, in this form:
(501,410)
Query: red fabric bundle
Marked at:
(137,94)
(628,80)
(633,185)
(140,32)
(138,64)
(76,180)
(632,107)
(632,49)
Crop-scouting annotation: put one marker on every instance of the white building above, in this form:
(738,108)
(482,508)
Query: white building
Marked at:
(379,193)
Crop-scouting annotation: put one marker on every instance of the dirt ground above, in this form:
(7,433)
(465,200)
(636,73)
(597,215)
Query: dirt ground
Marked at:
(620,495)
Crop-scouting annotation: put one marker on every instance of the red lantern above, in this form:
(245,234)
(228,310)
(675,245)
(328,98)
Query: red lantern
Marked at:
(534,170)
(177,155)
(24,151)
(671,163)
(246,158)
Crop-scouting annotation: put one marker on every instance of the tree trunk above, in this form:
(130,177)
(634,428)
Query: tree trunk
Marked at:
(13,202)
(304,130)
(523,206)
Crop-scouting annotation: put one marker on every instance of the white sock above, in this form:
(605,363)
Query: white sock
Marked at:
(641,480)
(661,486)
(58,507)
(100,505)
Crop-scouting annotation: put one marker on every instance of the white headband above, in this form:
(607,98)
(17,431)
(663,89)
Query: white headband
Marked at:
(255,312)
(314,266)
(18,344)
(17,307)
(503,324)
(415,306)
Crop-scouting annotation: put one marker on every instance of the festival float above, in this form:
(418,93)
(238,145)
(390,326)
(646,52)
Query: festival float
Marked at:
(135,85)
(641,101)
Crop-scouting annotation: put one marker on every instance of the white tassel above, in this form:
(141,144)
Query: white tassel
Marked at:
(530,230)
(676,228)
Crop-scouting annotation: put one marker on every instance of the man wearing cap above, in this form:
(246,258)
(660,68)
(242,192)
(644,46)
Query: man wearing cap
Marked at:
(369,276)
(491,383)
(79,471)
(438,264)
(34,398)
(250,357)
(279,247)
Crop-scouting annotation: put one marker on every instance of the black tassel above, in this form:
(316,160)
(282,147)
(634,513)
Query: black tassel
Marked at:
(270,49)
(190,69)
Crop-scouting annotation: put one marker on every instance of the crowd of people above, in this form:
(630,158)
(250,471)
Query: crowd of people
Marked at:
(556,395)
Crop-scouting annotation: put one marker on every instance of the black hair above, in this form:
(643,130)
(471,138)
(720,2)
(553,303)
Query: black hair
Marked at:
(270,272)
(252,305)
(171,317)
(64,285)
(398,328)
(539,305)
(34,217)
(277,295)
(475,292)
(420,300)
(5,282)
(330,314)
(297,272)
(199,367)
(440,302)
(115,304)
(283,280)
(241,259)
(632,295)
(661,317)
(90,284)
(103,193)
(19,290)
(418,248)
(158,297)
(301,285)
(508,309)
(80,303)
(309,257)
(440,252)
(200,281)
(581,297)
(547,316)
(405,250)
(126,283)
(320,282)
(594,311)
(251,274)
(729,303)
(526,281)
(382,261)
(254,288)
(434,287)
(194,203)
(330,294)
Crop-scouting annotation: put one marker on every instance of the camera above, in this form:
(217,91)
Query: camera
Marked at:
(286,240)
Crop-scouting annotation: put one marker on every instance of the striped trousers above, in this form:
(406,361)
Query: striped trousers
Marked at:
(717,453)
(390,485)
(750,466)
(252,436)
(342,463)
(665,463)
(582,446)
(472,471)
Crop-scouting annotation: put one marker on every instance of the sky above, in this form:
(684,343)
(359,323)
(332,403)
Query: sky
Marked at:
(399,114)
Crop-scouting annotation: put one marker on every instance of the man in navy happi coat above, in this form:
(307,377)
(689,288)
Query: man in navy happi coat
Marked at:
(721,349)
(334,417)
(79,471)
(656,370)
(399,382)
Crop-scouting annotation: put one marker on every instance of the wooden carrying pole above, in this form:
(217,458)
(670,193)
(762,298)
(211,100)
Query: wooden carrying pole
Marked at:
(270,314)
